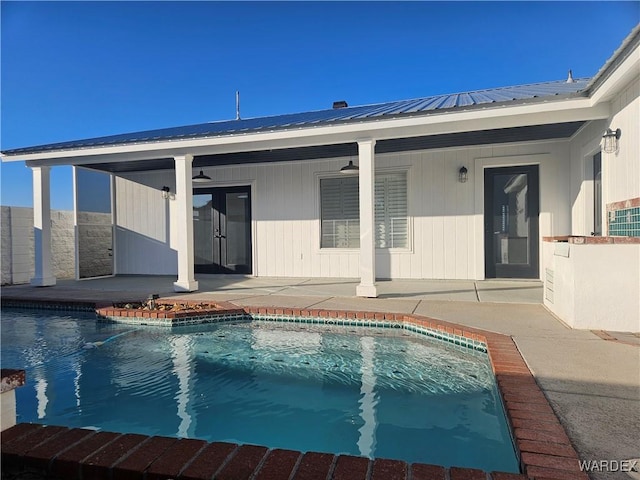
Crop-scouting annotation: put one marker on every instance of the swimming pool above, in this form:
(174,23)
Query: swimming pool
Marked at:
(371,392)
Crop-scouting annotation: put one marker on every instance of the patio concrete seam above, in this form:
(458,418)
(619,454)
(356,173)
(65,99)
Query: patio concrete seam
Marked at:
(591,395)
(416,307)
(320,301)
(558,319)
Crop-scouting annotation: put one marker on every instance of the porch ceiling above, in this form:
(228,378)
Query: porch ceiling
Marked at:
(483,137)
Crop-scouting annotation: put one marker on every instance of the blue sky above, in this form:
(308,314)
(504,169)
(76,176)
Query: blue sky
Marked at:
(72,70)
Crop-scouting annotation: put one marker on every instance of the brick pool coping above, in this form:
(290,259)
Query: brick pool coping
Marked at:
(542,444)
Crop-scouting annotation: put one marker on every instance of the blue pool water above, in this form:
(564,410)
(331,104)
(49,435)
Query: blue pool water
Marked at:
(376,393)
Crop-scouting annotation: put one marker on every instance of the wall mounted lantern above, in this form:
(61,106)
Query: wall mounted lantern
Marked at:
(463,175)
(611,138)
(350,168)
(201,178)
(165,192)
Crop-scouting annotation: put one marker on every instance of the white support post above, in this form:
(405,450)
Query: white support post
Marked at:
(42,227)
(184,221)
(366,160)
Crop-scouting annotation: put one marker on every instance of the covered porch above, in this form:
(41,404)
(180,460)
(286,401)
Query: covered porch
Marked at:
(443,221)
(451,187)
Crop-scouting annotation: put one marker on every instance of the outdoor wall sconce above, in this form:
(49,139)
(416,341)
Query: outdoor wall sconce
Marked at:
(463,175)
(165,192)
(201,178)
(611,138)
(350,168)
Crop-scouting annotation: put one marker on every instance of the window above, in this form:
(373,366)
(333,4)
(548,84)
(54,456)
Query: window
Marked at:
(597,194)
(340,217)
(339,214)
(391,210)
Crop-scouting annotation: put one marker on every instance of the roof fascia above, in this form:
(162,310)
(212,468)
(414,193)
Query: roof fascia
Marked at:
(618,79)
(575,109)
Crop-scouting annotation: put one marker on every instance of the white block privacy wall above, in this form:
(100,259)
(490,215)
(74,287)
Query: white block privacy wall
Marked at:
(17,244)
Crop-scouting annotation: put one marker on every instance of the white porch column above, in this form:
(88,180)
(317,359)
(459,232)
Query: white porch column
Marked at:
(366,160)
(184,222)
(42,227)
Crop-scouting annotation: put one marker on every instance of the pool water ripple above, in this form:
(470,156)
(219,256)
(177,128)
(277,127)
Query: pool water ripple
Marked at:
(312,388)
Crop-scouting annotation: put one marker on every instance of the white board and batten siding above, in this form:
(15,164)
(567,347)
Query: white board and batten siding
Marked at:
(445,239)
(620,170)
(621,174)
(143,233)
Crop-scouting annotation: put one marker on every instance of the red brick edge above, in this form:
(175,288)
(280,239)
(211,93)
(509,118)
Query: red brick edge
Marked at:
(543,445)
(630,203)
(584,240)
(215,308)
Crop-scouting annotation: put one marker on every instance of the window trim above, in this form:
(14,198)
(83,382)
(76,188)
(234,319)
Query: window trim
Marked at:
(408,250)
(596,187)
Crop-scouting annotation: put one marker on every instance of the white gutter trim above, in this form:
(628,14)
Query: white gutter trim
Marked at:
(576,109)
(622,75)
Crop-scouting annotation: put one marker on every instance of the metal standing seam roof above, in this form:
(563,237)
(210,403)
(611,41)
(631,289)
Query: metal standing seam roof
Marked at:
(421,106)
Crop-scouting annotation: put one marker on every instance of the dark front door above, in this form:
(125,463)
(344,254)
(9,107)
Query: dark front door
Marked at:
(222,230)
(511,208)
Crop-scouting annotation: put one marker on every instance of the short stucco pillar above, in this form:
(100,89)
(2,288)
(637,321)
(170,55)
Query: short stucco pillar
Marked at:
(9,381)
(43,275)
(184,222)
(366,160)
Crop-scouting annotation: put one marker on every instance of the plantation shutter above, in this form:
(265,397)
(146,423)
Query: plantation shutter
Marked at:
(339,213)
(391,211)
(340,216)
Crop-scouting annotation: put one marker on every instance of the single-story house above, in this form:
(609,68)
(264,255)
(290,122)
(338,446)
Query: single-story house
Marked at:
(537,181)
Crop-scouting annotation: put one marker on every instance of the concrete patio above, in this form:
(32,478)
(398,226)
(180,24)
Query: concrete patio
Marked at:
(591,379)
(240,287)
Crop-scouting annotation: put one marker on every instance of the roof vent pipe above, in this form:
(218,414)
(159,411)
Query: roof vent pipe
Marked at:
(570,77)
(340,104)
(237,105)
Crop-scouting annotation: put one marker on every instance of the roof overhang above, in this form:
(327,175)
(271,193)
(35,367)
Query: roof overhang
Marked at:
(456,121)
(618,71)
(483,137)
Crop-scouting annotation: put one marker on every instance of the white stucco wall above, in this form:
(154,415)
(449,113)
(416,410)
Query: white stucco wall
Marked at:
(595,286)
(446,217)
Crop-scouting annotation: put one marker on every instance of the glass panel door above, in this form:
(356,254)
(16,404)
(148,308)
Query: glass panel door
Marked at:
(511,222)
(94,223)
(237,233)
(202,230)
(222,230)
